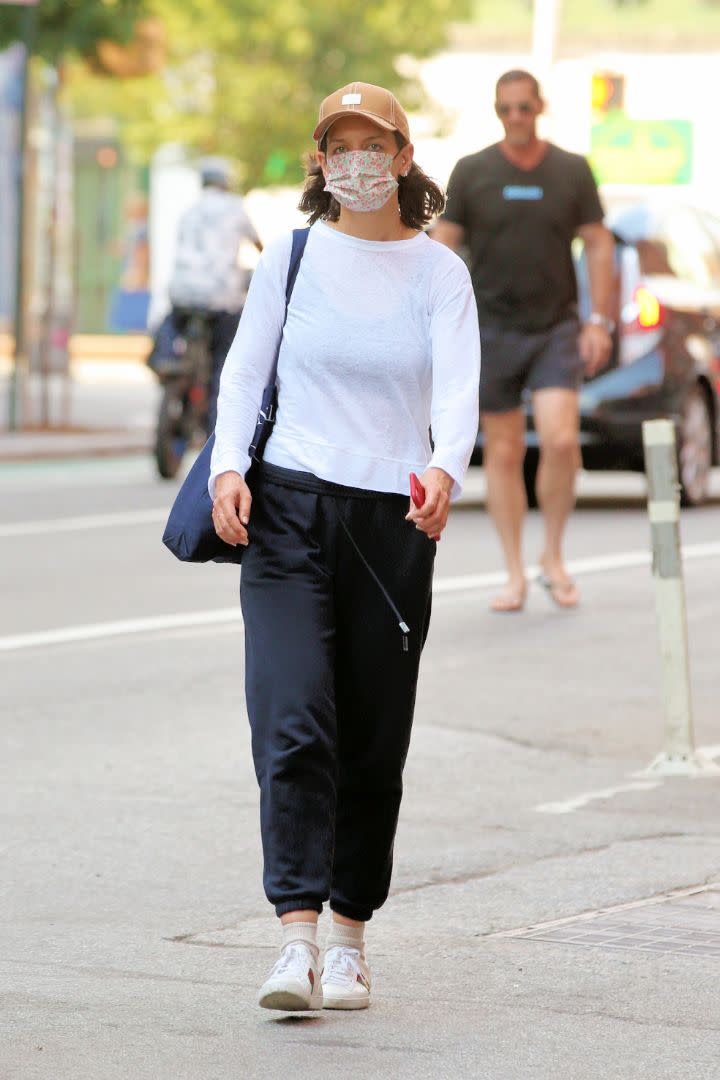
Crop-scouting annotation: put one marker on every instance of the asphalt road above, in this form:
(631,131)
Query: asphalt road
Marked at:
(135,932)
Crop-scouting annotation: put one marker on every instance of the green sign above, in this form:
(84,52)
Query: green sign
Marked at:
(625,151)
(276,166)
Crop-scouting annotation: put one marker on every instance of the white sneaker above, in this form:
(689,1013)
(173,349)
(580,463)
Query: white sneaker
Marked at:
(345,979)
(294,983)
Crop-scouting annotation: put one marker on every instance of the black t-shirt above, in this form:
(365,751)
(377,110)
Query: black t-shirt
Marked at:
(519,225)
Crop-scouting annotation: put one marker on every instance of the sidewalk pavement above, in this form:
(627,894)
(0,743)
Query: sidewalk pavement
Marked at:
(106,407)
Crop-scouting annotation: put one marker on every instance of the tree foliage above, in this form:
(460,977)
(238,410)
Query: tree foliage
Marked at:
(244,77)
(65,27)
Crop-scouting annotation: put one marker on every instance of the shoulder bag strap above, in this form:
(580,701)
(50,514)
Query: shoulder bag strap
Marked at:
(266,416)
(299,240)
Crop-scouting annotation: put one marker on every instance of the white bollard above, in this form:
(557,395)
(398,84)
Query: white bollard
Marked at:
(679,758)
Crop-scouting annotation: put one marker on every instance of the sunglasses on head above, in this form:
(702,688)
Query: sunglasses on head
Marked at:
(525,107)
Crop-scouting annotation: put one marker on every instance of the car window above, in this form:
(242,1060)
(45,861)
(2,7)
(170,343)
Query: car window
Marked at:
(689,251)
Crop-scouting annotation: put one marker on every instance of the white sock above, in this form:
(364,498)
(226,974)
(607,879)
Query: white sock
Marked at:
(352,937)
(305,932)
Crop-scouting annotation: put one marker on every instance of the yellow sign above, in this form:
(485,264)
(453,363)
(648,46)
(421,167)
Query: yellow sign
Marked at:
(625,151)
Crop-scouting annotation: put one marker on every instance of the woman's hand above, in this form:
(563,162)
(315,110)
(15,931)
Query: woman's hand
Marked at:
(231,508)
(431,517)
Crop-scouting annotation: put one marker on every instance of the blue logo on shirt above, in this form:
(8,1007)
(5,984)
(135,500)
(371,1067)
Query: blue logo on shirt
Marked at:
(518,191)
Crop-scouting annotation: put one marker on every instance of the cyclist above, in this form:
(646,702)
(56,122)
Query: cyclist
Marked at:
(208,273)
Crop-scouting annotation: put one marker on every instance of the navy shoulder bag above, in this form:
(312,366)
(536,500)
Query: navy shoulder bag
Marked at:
(190,533)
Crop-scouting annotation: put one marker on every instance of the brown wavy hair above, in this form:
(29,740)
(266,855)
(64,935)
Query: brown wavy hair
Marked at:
(420,198)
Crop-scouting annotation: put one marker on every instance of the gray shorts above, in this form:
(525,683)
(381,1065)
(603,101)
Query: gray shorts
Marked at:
(513,360)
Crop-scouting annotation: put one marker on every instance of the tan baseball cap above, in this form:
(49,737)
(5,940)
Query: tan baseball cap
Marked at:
(363,99)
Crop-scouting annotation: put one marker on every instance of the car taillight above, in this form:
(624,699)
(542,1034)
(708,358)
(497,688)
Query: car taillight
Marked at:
(649,309)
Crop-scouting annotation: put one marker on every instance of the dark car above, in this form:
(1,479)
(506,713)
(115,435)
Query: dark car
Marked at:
(666,351)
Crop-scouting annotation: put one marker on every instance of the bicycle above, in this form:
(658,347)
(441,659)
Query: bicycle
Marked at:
(186,376)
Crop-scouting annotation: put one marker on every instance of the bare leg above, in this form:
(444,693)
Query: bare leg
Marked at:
(503,457)
(557,424)
(343,921)
(312,917)
(299,916)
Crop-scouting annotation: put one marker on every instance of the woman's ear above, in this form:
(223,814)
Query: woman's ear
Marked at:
(406,159)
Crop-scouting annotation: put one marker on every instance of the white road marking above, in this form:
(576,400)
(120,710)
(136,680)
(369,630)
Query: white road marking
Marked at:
(595,564)
(93,631)
(466,583)
(579,801)
(87,521)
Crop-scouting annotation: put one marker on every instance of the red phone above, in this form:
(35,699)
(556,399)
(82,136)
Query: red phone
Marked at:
(417,491)
(417,494)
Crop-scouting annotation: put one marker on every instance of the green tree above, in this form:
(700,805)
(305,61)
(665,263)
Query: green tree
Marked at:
(73,26)
(244,78)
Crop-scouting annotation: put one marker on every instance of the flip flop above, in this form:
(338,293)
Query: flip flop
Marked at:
(563,593)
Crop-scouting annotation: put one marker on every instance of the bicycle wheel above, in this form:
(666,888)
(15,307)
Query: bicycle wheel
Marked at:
(172,436)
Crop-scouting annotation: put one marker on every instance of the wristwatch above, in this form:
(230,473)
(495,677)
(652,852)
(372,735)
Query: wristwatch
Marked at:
(596,319)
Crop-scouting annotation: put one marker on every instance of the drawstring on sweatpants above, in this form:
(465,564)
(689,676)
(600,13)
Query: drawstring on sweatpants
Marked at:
(405,629)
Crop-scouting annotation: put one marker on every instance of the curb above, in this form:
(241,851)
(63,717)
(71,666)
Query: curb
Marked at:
(38,447)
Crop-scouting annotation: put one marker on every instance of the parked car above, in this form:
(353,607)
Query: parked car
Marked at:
(666,351)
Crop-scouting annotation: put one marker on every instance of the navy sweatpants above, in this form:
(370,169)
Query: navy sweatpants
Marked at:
(330,683)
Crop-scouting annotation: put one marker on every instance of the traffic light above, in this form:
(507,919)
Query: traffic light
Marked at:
(608,91)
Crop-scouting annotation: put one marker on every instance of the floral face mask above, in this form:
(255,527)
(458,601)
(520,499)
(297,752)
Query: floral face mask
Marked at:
(361,179)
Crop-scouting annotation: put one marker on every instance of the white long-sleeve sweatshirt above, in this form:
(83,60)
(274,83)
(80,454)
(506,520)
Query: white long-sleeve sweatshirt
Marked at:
(381,342)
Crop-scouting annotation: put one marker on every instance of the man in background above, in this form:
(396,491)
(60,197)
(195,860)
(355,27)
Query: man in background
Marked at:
(517,205)
(209,271)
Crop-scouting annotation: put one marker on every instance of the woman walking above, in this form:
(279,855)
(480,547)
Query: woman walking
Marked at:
(380,344)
